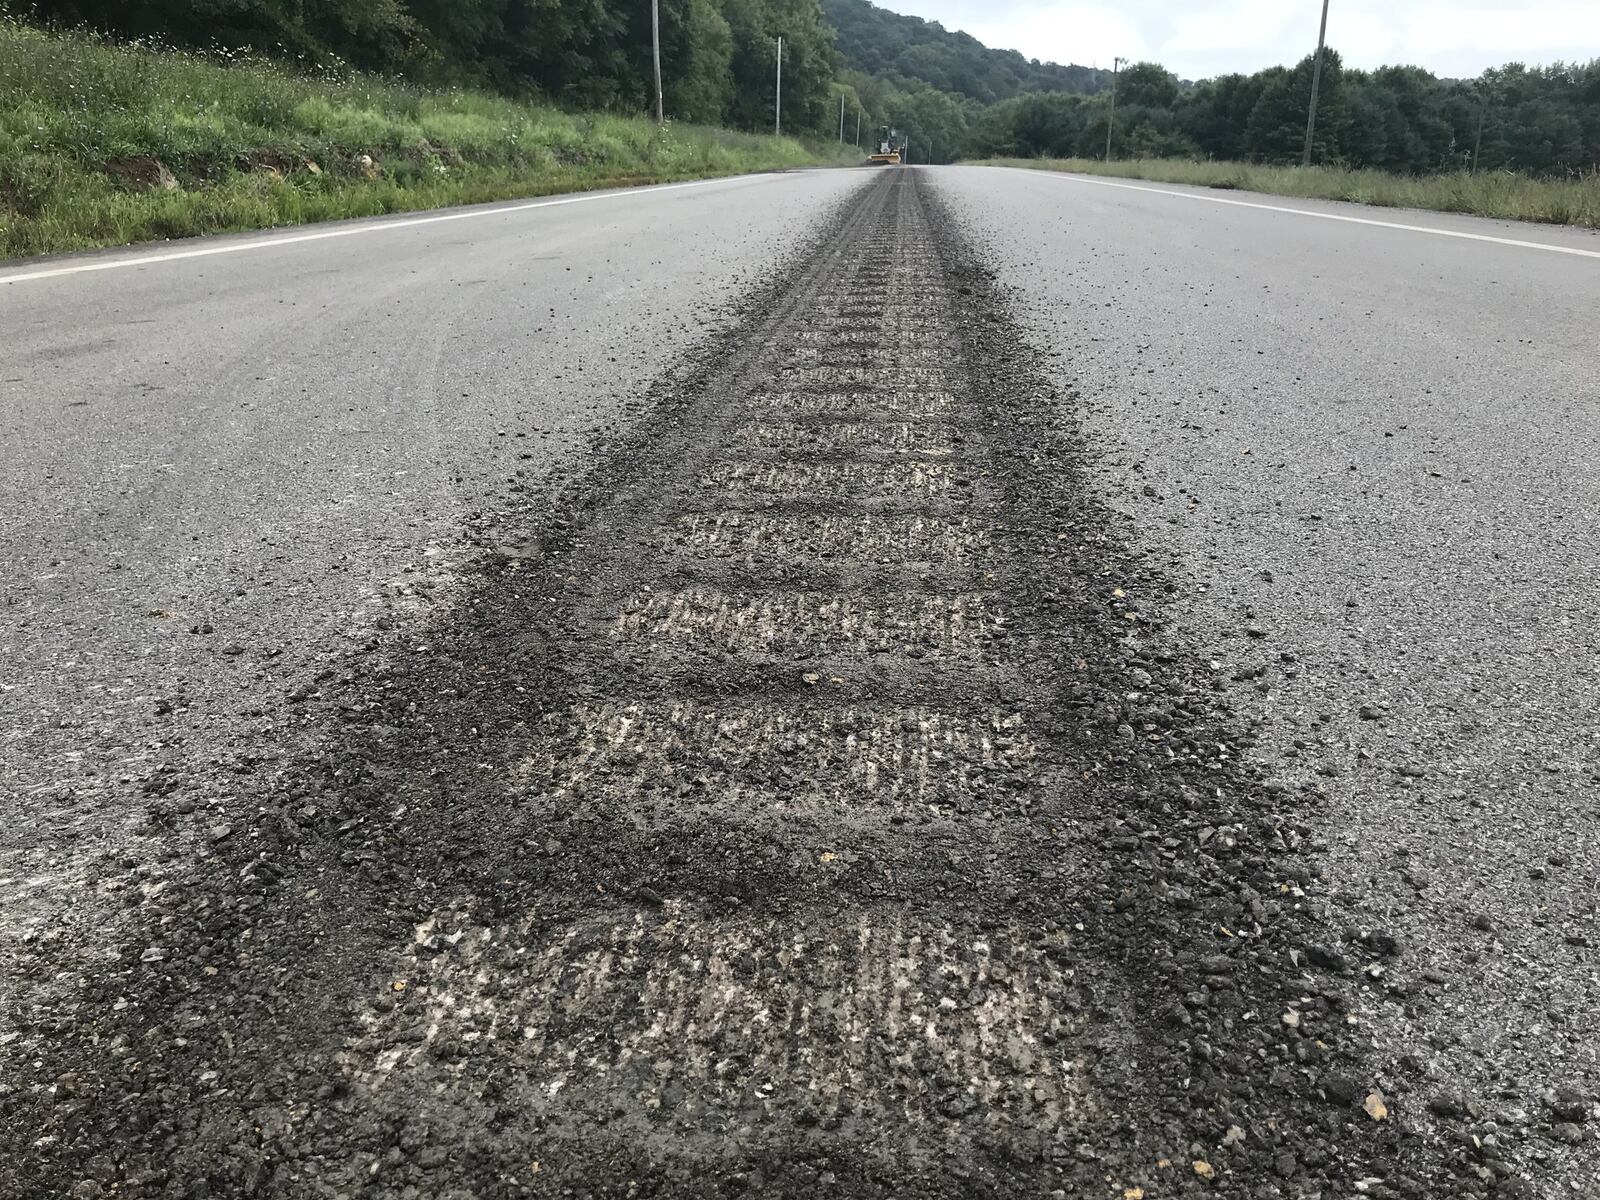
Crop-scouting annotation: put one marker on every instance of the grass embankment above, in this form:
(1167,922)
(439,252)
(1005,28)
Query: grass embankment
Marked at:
(103,145)
(1513,197)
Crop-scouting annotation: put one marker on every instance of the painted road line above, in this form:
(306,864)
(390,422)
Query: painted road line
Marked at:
(409,222)
(1306,212)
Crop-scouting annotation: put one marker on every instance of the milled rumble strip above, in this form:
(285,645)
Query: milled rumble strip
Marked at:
(790,620)
(930,325)
(834,480)
(859,404)
(775,758)
(920,440)
(868,537)
(810,695)
(908,301)
(885,357)
(893,324)
(667,1013)
(871,338)
(900,378)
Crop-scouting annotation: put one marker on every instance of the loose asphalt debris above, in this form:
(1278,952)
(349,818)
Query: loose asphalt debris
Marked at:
(817,802)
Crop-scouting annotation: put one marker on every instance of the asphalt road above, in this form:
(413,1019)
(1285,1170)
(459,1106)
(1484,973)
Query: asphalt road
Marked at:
(1375,448)
(1359,451)
(224,470)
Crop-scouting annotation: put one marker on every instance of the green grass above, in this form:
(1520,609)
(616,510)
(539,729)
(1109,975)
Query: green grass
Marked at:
(248,144)
(1491,194)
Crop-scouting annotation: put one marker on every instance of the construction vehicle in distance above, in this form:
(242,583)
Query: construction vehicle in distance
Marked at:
(891,149)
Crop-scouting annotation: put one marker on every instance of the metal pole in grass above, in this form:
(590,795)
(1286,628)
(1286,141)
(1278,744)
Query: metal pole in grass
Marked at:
(841,118)
(858,127)
(1111,117)
(655,49)
(777,108)
(1316,83)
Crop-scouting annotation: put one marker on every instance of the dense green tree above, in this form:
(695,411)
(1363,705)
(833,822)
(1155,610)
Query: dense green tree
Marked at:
(700,87)
(1418,134)
(1276,129)
(1147,84)
(1215,113)
(809,64)
(934,121)
(1377,126)
(1050,124)
(362,30)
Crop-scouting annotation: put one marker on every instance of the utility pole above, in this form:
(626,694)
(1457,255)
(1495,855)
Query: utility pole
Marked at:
(1477,142)
(1111,118)
(1316,83)
(777,108)
(858,127)
(1483,107)
(655,49)
(841,118)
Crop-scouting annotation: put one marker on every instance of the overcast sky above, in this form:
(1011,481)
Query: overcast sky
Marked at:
(1201,38)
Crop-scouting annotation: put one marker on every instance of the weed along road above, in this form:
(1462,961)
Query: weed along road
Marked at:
(941,683)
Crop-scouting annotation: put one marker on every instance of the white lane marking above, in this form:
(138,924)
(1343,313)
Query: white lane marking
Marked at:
(1306,212)
(144,260)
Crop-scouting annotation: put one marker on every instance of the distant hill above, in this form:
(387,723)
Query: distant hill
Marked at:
(890,45)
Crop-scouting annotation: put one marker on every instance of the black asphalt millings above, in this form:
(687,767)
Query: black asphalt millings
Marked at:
(1241,1001)
(817,803)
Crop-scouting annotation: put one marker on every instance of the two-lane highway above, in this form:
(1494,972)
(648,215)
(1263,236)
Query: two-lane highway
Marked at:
(947,682)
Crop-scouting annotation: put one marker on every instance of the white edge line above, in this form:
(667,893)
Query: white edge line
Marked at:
(378,226)
(1307,212)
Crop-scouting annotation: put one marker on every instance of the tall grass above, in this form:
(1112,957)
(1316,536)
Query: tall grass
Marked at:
(105,144)
(1490,194)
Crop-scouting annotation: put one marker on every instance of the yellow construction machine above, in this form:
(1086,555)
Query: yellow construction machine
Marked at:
(891,149)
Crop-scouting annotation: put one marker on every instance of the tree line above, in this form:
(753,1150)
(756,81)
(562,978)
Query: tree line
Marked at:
(954,96)
(1539,120)
(718,56)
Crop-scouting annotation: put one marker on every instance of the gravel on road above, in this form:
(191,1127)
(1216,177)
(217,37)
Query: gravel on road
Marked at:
(1368,457)
(225,475)
(838,790)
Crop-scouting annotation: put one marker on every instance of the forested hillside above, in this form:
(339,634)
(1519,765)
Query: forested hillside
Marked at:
(906,50)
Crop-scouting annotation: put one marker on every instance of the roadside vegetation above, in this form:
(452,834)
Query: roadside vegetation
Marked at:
(1488,194)
(104,144)
(181,117)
